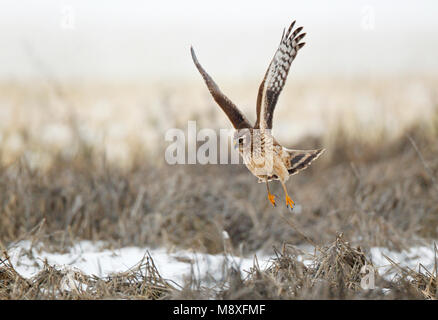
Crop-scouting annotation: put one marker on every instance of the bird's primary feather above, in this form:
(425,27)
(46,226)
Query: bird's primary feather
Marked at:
(236,117)
(275,76)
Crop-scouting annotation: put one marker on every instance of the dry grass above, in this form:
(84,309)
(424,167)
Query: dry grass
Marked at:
(334,273)
(140,282)
(384,199)
(376,191)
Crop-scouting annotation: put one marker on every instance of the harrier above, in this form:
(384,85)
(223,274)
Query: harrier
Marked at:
(262,154)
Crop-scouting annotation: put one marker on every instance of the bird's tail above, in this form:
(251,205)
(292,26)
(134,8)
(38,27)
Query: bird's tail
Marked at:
(298,160)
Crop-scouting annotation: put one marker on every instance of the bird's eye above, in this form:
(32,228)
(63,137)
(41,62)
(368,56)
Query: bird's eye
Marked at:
(240,140)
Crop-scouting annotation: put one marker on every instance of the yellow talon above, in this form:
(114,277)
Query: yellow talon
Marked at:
(289,202)
(271,198)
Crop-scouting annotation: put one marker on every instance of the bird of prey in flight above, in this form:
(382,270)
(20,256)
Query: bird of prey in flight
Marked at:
(262,154)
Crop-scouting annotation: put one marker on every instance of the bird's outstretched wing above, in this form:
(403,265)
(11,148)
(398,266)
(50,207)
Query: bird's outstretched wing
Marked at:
(275,76)
(238,120)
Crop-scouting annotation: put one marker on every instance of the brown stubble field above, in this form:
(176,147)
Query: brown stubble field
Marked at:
(87,162)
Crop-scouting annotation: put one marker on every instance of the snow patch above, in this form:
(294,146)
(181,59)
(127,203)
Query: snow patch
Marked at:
(91,259)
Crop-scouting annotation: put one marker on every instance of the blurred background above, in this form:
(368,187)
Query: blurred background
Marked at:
(88,90)
(236,39)
(124,72)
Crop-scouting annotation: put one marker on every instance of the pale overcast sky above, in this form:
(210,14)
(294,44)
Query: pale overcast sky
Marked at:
(151,39)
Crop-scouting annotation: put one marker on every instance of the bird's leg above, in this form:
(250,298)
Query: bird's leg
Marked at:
(289,202)
(271,197)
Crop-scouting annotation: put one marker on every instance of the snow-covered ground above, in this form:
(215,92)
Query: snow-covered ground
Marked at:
(412,258)
(91,259)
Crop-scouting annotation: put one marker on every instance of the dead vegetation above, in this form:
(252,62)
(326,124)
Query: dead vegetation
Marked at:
(140,282)
(376,192)
(388,200)
(335,272)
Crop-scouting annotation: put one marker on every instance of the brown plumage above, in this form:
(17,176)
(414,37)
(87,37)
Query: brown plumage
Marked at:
(262,154)
(236,117)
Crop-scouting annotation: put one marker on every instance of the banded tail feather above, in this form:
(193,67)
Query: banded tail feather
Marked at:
(298,160)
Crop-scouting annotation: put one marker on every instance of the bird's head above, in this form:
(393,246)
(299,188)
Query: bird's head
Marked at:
(242,139)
